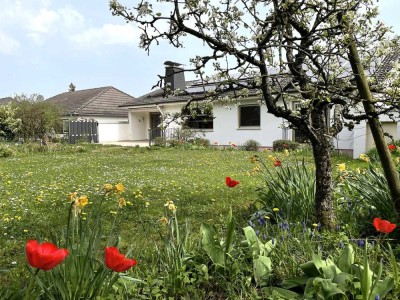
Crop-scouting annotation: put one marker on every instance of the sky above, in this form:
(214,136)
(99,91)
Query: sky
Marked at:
(47,44)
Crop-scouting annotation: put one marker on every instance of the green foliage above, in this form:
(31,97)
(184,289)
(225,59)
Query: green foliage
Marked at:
(251,145)
(291,188)
(10,124)
(6,150)
(368,192)
(38,118)
(323,279)
(280,145)
(159,141)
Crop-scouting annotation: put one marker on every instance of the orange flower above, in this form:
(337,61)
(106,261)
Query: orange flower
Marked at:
(383,226)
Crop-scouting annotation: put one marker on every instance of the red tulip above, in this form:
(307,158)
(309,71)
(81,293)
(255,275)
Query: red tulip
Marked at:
(383,226)
(117,261)
(277,163)
(230,182)
(44,256)
(392,147)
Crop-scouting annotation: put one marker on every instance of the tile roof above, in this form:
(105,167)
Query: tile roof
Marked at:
(103,101)
(386,65)
(194,90)
(6,100)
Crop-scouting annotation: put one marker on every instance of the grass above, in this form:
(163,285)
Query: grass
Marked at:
(34,189)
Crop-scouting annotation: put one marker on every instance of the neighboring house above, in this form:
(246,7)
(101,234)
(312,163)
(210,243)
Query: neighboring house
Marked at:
(6,100)
(100,105)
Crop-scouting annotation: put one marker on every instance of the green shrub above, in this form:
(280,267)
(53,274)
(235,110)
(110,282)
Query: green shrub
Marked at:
(280,145)
(251,145)
(201,142)
(6,151)
(159,141)
(174,143)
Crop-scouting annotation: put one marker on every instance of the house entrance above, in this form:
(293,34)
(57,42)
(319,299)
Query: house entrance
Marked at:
(155,120)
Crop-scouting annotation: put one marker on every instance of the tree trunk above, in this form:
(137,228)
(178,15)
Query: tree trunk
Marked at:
(389,168)
(324,207)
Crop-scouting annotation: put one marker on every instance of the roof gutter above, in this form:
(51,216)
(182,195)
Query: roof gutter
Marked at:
(159,109)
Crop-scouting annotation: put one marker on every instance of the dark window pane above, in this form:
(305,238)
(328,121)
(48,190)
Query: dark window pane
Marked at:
(249,115)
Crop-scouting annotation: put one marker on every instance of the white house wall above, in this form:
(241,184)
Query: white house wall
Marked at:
(226,127)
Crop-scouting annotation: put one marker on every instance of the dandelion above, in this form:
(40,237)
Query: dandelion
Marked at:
(25,230)
(113,212)
(286,152)
(275,209)
(315,225)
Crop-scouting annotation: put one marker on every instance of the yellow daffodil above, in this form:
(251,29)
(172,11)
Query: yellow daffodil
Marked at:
(271,158)
(119,188)
(286,151)
(341,167)
(82,201)
(164,221)
(71,196)
(108,188)
(121,202)
(364,157)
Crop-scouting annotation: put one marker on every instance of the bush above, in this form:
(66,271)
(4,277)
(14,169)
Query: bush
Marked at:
(201,142)
(251,145)
(280,145)
(174,143)
(6,151)
(159,141)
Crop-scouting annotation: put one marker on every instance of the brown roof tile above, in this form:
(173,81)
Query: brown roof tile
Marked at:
(103,101)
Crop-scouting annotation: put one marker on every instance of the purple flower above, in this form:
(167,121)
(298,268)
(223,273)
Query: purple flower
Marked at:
(361,243)
(341,245)
(377,297)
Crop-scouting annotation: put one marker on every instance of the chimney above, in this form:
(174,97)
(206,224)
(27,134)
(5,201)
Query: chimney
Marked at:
(174,76)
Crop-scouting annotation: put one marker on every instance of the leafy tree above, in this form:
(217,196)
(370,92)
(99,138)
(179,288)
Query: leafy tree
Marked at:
(287,50)
(9,122)
(38,117)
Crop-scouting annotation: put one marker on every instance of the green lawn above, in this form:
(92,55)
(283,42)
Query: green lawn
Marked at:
(34,189)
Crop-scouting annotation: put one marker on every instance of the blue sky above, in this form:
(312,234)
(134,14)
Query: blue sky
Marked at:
(47,44)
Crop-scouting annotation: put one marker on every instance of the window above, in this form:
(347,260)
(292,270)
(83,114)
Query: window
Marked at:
(65,124)
(198,116)
(249,116)
(200,122)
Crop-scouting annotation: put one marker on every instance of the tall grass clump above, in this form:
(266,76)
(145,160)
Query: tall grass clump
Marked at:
(289,187)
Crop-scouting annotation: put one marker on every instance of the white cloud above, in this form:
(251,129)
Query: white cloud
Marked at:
(108,34)
(8,45)
(39,19)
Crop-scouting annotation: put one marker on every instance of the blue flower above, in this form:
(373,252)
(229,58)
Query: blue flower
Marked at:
(341,245)
(377,297)
(361,243)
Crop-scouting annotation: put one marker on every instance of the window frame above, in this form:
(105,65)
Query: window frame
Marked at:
(241,126)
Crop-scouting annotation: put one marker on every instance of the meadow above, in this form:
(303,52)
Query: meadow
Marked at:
(35,193)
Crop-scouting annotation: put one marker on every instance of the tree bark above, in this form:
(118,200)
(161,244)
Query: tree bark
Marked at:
(389,168)
(323,171)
